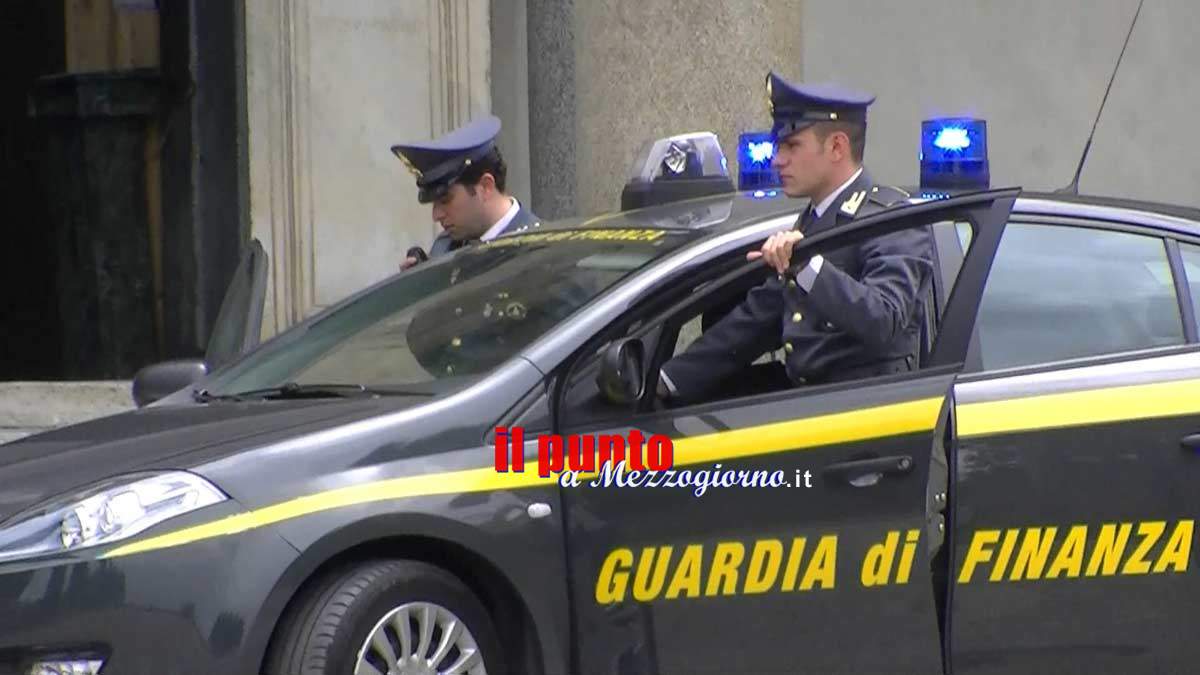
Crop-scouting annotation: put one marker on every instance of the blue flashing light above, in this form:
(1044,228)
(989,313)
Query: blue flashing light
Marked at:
(954,154)
(952,139)
(761,152)
(756,149)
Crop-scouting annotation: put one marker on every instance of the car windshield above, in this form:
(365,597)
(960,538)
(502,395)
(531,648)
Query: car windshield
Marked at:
(451,320)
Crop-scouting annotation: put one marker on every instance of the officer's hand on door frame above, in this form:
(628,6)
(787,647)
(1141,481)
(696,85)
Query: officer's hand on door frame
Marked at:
(776,252)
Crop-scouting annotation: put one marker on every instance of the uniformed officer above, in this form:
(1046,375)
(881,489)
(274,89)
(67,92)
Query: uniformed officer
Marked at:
(854,312)
(463,175)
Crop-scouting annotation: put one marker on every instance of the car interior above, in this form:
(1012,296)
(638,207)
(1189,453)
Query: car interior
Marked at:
(668,323)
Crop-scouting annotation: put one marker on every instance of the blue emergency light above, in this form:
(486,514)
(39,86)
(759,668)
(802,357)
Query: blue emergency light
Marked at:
(756,150)
(954,154)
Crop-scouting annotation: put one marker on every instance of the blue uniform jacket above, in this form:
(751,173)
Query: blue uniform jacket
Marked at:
(525,219)
(862,316)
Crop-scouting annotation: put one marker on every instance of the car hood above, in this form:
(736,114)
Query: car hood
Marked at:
(50,464)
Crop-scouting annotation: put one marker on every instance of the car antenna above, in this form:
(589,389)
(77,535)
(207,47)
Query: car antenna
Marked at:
(1073,188)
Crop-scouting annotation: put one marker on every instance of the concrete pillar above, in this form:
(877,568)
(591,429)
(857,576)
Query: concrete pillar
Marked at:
(552,107)
(331,85)
(510,91)
(642,69)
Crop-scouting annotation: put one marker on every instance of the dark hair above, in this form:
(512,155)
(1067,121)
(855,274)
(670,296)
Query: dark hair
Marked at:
(491,163)
(857,133)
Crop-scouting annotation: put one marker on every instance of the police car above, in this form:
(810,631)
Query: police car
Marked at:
(329,502)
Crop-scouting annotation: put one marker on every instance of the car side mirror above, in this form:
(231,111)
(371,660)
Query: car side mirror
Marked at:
(161,379)
(622,377)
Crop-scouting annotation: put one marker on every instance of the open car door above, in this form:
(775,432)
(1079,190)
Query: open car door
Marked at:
(237,330)
(238,327)
(843,567)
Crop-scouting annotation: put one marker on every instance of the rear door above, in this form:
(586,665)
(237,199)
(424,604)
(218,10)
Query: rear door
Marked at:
(829,571)
(1075,476)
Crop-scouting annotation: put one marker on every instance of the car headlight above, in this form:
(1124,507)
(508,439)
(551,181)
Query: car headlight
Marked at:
(111,511)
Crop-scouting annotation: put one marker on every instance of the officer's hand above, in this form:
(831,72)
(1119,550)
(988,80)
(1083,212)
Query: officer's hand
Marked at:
(413,256)
(776,253)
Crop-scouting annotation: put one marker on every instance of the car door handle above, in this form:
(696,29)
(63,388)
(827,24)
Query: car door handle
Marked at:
(868,472)
(1191,442)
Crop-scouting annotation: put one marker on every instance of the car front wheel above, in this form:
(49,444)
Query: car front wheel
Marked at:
(392,617)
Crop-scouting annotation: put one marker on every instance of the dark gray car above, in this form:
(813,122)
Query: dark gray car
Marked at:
(328,502)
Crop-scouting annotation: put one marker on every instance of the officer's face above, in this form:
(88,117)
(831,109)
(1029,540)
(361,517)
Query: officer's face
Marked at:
(460,213)
(803,163)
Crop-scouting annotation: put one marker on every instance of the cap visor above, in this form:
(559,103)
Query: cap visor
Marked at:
(782,130)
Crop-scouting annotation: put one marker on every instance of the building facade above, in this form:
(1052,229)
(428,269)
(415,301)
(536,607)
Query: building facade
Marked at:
(272,119)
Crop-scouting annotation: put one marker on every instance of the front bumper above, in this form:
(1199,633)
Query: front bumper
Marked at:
(196,609)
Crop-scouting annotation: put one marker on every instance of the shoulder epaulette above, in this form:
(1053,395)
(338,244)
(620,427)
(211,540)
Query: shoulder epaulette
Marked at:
(888,195)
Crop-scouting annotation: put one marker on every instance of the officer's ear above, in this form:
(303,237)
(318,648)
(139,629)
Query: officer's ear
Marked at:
(835,140)
(839,145)
(487,183)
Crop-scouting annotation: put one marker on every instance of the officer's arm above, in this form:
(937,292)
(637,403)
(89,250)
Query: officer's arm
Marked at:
(896,268)
(744,334)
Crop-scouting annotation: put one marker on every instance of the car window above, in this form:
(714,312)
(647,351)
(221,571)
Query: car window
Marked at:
(688,334)
(1059,292)
(953,241)
(701,305)
(453,318)
(692,330)
(1191,268)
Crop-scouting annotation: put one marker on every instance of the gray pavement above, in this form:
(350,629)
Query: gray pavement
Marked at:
(31,407)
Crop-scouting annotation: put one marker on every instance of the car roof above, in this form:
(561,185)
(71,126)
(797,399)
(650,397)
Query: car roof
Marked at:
(1174,210)
(1175,218)
(717,214)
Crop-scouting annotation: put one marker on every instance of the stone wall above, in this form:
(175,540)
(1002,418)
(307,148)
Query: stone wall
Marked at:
(331,85)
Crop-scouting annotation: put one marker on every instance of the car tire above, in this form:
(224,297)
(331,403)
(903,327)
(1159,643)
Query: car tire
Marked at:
(327,630)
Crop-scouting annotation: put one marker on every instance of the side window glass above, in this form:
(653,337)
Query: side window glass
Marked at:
(688,334)
(732,366)
(1191,267)
(964,234)
(1058,292)
(953,240)
(691,331)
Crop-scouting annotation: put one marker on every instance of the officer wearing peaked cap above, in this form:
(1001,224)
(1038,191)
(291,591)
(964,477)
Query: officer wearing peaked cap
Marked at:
(463,176)
(854,312)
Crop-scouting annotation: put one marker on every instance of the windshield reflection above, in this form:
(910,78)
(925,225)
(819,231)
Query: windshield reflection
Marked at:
(448,321)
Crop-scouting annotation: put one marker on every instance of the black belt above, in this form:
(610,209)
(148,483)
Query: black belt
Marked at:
(863,371)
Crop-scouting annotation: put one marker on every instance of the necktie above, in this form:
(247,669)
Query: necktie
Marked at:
(806,220)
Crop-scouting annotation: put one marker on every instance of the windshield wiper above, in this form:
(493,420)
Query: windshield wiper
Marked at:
(288,391)
(294,390)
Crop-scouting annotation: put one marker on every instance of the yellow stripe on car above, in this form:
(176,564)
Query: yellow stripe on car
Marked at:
(1028,413)
(451,482)
(811,432)
(1066,409)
